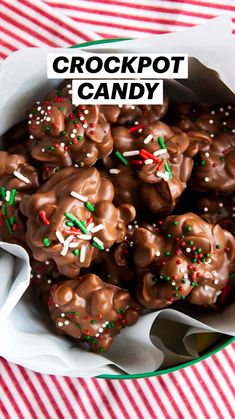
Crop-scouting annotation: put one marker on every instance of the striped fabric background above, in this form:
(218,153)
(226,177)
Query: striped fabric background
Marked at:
(205,390)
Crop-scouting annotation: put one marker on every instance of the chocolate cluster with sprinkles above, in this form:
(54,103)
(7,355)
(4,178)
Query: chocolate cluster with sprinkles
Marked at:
(122,209)
(89,310)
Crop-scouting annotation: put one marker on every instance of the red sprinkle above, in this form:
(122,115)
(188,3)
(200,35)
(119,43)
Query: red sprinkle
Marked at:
(137,162)
(136,128)
(44,217)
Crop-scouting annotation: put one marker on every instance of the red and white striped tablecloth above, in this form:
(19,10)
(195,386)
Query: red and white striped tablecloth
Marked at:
(205,390)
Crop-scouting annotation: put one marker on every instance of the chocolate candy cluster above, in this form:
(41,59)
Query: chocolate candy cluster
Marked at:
(121,208)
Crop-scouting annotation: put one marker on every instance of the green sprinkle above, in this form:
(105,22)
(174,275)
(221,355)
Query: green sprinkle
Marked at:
(109,276)
(94,244)
(3,192)
(48,147)
(69,223)
(221,158)
(68,313)
(60,108)
(203,259)
(89,206)
(12,197)
(232,275)
(76,221)
(33,112)
(4,210)
(46,241)
(75,313)
(12,220)
(208,255)
(79,137)
(182,297)
(8,226)
(188,228)
(169,235)
(166,165)
(167,278)
(47,128)
(52,148)
(198,250)
(101,349)
(88,337)
(93,321)
(203,162)
(48,98)
(167,253)
(183,281)
(192,284)
(70,143)
(62,133)
(76,252)
(93,341)
(121,158)
(175,223)
(190,242)
(75,121)
(176,295)
(161,142)
(218,246)
(78,326)
(194,260)
(176,288)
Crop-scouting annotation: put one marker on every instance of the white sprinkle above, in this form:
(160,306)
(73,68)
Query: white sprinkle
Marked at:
(221,109)
(185,276)
(226,113)
(129,227)
(98,241)
(8,194)
(21,177)
(90,227)
(64,251)
(182,270)
(62,314)
(132,107)
(79,196)
(48,108)
(68,240)
(212,112)
(39,108)
(233,215)
(73,245)
(37,122)
(69,86)
(101,329)
(82,253)
(48,118)
(221,204)
(148,161)
(97,335)
(30,115)
(31,137)
(60,324)
(29,122)
(229,107)
(85,125)
(72,135)
(205,209)
(66,322)
(88,154)
(159,152)
(215,273)
(59,236)
(211,121)
(131,153)
(107,322)
(188,249)
(164,176)
(86,111)
(216,281)
(104,324)
(148,138)
(136,123)
(206,179)
(74,131)
(62,145)
(39,276)
(207,154)
(206,287)
(114,171)
(70,92)
(233,208)
(97,228)
(233,131)
(56,305)
(49,281)
(84,236)
(157,253)
(224,123)
(173,283)
(47,262)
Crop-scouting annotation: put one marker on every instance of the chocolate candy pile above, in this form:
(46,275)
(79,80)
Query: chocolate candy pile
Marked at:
(121,209)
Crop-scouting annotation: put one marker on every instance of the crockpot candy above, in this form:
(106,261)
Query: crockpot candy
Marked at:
(62,134)
(218,209)
(71,219)
(16,139)
(215,165)
(88,309)
(185,258)
(17,179)
(150,169)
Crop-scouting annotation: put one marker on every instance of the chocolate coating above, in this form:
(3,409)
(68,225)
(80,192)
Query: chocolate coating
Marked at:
(185,258)
(90,310)
(63,134)
(13,189)
(58,207)
(149,187)
(215,167)
(142,114)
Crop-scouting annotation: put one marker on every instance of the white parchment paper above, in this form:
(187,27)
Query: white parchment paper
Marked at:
(159,339)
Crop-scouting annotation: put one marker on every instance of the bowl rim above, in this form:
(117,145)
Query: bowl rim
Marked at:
(203,356)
